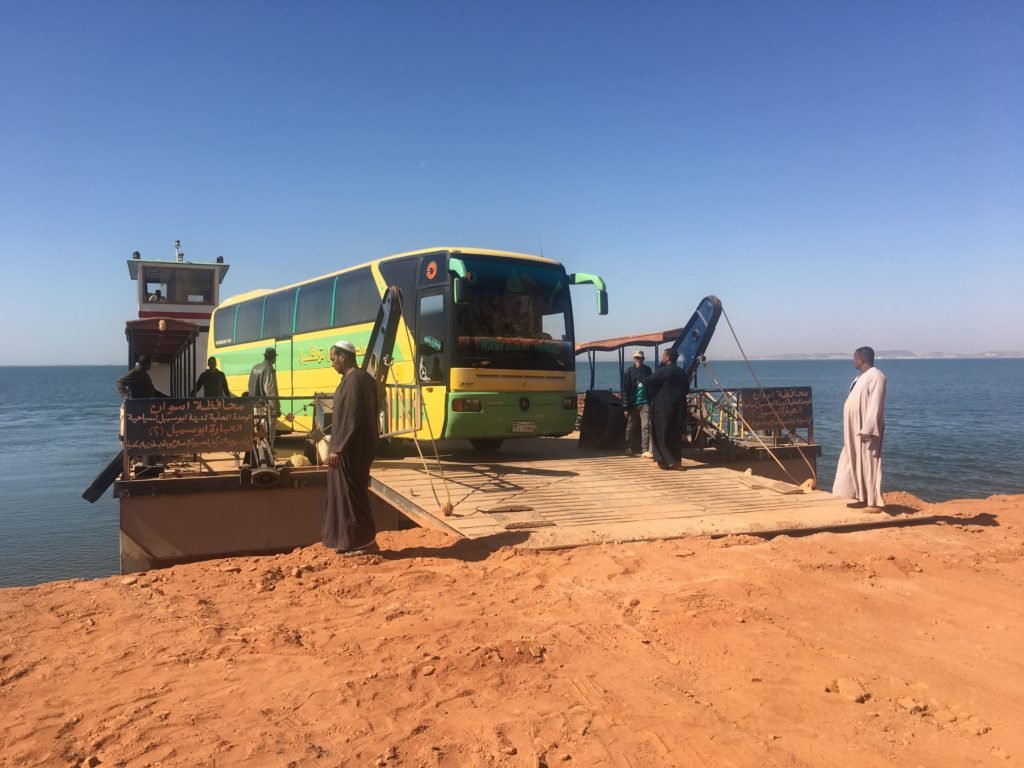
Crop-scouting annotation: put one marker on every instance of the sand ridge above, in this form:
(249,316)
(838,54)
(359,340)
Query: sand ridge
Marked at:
(872,648)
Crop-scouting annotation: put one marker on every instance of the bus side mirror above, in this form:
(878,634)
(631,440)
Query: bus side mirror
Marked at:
(582,278)
(459,290)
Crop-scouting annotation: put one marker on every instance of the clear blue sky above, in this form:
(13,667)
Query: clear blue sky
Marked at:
(838,174)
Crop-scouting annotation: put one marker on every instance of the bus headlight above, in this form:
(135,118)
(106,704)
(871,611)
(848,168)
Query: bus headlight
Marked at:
(466,405)
(569,402)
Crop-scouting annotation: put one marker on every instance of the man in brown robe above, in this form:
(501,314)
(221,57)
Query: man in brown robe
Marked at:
(348,518)
(859,473)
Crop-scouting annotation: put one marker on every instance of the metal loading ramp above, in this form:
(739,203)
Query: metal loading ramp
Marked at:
(549,493)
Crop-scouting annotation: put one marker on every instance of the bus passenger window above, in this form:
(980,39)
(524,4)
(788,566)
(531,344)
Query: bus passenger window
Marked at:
(356,299)
(278,314)
(249,324)
(223,326)
(314,308)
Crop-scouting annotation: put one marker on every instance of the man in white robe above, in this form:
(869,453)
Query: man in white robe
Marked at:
(859,474)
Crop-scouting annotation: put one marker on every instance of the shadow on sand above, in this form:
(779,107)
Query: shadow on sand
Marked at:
(467,550)
(893,516)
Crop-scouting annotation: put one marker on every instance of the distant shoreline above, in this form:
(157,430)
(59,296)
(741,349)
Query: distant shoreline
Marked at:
(610,356)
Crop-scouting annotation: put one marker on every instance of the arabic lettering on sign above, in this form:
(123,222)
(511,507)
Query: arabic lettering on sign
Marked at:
(766,408)
(187,425)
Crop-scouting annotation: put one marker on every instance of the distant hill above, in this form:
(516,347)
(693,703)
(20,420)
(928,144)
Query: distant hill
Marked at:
(888,354)
(893,354)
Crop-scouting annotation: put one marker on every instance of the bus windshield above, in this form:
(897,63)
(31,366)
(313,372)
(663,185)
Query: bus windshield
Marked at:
(514,314)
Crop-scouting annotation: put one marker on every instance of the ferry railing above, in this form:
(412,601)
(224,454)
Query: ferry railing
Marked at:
(403,410)
(714,415)
(751,415)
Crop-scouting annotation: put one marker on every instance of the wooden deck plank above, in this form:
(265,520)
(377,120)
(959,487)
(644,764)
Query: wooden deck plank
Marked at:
(591,497)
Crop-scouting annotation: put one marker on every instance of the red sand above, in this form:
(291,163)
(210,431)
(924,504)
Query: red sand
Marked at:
(899,646)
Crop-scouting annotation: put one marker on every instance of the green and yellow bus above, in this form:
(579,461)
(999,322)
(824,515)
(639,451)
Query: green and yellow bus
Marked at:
(485,350)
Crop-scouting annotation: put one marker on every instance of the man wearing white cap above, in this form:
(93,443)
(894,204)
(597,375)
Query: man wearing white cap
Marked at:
(637,402)
(348,518)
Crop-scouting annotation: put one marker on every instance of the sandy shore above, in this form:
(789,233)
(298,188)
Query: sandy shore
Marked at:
(900,646)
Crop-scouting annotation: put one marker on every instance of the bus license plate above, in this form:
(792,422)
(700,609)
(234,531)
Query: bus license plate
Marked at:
(524,426)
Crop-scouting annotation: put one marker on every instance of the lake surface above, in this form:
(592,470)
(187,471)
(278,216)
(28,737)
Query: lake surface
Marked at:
(953,430)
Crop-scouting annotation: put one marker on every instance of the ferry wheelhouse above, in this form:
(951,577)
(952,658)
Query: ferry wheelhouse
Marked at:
(175,301)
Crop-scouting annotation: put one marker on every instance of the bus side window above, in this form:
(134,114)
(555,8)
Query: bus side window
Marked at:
(356,298)
(223,326)
(249,324)
(278,314)
(314,306)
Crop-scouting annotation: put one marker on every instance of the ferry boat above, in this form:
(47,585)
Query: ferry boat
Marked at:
(191,494)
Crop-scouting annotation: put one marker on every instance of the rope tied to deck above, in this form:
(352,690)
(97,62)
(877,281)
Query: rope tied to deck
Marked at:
(447,508)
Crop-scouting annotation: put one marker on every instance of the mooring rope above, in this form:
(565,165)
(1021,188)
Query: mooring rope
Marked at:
(790,432)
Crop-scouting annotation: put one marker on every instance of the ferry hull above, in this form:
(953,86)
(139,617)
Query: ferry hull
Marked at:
(168,521)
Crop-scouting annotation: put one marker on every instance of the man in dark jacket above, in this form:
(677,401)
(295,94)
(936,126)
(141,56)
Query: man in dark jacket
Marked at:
(669,386)
(212,381)
(636,400)
(137,383)
(348,518)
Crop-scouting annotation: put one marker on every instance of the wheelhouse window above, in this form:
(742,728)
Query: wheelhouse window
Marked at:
(156,290)
(514,314)
(178,285)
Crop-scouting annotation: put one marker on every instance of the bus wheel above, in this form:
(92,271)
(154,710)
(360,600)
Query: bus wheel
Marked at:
(487,445)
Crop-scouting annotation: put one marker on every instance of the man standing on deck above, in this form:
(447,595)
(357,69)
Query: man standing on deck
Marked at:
(137,383)
(348,518)
(859,473)
(212,381)
(638,404)
(669,386)
(263,386)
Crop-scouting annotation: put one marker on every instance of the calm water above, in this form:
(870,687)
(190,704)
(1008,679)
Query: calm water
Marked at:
(954,429)
(59,430)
